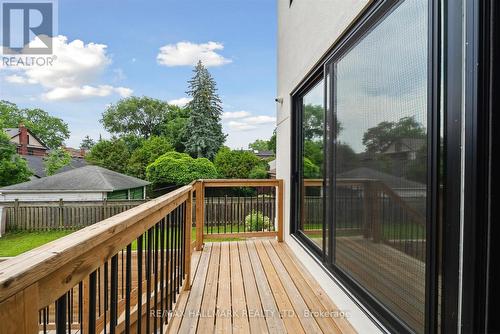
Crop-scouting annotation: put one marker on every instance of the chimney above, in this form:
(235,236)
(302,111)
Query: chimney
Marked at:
(23,139)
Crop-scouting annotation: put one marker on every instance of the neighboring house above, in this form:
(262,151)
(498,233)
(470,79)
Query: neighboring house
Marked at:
(37,165)
(89,183)
(272,169)
(264,154)
(26,142)
(76,152)
(405,148)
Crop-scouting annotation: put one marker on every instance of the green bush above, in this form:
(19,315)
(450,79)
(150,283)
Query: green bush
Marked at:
(311,171)
(256,221)
(258,172)
(236,164)
(179,169)
(146,154)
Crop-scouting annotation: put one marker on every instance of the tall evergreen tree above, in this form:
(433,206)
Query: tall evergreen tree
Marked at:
(204,128)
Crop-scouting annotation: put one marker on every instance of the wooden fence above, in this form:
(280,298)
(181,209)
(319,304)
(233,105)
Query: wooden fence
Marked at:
(39,216)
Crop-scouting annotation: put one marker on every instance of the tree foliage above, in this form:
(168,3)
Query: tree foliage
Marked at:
(378,138)
(204,127)
(146,154)
(87,143)
(138,116)
(236,164)
(13,168)
(179,169)
(259,145)
(112,154)
(174,127)
(272,142)
(56,160)
(311,171)
(52,131)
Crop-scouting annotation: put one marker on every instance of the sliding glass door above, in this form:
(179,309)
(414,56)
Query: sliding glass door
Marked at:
(362,162)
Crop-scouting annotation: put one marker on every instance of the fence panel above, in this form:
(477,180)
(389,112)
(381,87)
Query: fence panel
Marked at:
(40,216)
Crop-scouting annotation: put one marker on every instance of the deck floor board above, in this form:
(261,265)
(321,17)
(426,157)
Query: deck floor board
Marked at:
(263,286)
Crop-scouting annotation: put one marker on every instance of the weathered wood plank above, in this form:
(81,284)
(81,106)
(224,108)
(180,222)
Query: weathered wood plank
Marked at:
(223,319)
(273,319)
(238,300)
(255,312)
(206,322)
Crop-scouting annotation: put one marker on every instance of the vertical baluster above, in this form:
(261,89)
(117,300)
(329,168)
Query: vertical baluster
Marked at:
(92,302)
(148,278)
(225,212)
(139,284)
(61,314)
(238,213)
(106,296)
(128,287)
(45,320)
(169,257)
(176,258)
(162,271)
(156,248)
(113,316)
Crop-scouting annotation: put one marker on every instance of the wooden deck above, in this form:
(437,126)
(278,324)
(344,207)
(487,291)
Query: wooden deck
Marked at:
(254,286)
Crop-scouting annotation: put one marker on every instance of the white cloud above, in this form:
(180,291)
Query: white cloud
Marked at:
(246,122)
(241,126)
(188,54)
(181,102)
(257,120)
(74,72)
(80,93)
(17,79)
(235,114)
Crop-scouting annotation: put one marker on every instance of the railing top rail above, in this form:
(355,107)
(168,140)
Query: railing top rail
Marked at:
(217,183)
(109,235)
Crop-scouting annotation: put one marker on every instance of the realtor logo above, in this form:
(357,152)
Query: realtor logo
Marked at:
(27,27)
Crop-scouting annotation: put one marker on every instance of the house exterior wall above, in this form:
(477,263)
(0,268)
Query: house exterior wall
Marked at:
(52,196)
(306,30)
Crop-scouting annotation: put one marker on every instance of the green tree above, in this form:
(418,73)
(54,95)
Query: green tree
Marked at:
(259,145)
(179,169)
(378,138)
(174,127)
(56,160)
(138,116)
(112,154)
(149,151)
(52,131)
(204,127)
(236,164)
(311,171)
(272,142)
(13,168)
(87,143)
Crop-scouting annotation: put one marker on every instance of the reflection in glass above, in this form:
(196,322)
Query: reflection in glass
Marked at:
(381,162)
(313,120)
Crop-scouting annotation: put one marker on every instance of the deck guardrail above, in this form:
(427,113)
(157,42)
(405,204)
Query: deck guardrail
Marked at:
(120,275)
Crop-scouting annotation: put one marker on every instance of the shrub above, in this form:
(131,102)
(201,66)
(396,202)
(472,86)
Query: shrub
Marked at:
(235,164)
(179,169)
(256,221)
(258,172)
(311,171)
(146,154)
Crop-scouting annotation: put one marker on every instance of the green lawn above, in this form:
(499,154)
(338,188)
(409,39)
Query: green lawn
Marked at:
(15,243)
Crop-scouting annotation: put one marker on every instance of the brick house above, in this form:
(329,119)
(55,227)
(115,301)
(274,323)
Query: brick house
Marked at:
(26,142)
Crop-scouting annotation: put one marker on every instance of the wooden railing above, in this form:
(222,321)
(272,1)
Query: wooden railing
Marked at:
(371,207)
(121,275)
(243,208)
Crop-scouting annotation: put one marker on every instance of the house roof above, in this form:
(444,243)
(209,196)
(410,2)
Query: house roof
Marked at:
(392,181)
(37,165)
(84,179)
(11,132)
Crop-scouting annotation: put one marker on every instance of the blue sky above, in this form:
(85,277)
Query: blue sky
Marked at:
(118,56)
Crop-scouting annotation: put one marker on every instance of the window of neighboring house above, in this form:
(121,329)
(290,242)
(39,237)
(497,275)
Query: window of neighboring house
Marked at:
(30,151)
(362,211)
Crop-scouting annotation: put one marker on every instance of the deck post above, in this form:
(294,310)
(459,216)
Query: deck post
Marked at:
(280,211)
(200,214)
(188,224)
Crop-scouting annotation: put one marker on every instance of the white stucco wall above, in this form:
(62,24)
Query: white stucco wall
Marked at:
(306,30)
(52,196)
